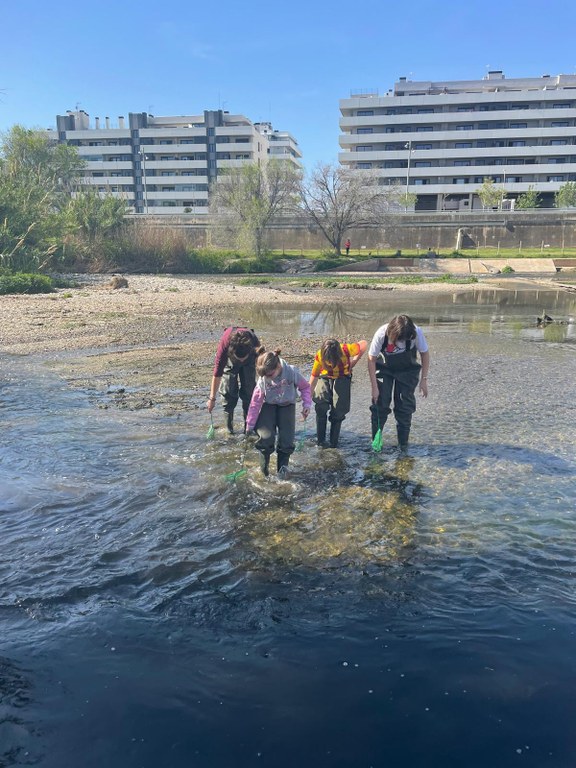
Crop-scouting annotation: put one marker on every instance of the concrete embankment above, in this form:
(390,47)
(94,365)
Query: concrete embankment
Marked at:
(460,266)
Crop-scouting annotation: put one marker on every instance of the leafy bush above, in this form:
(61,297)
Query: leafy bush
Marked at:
(507,270)
(25,283)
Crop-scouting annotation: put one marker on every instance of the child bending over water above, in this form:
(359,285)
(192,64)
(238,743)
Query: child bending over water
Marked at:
(330,382)
(272,410)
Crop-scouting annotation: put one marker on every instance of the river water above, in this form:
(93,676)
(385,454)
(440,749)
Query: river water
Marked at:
(374,610)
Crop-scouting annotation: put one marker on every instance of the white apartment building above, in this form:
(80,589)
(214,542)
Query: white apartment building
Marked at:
(440,140)
(165,165)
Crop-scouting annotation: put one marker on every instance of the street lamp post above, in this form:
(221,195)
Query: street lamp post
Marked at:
(408,146)
(143,156)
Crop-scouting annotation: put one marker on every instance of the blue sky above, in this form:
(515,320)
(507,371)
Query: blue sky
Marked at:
(288,62)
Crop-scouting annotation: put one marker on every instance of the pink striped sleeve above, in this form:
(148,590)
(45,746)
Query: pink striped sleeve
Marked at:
(255,408)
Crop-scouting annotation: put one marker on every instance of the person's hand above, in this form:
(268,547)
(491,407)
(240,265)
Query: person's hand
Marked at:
(375,394)
(305,413)
(210,403)
(424,387)
(250,435)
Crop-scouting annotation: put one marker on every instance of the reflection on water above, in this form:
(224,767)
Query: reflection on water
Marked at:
(371,610)
(499,312)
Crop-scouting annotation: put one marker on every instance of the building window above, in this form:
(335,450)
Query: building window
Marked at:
(517,143)
(168,173)
(462,162)
(555,178)
(365,130)
(460,180)
(560,124)
(518,125)
(424,111)
(364,166)
(364,148)
(463,145)
(466,127)
(420,182)
(422,146)
(165,141)
(558,142)
(422,164)
(365,113)
(424,129)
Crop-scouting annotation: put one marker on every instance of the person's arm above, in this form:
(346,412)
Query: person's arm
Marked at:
(254,408)
(372,373)
(363,345)
(316,371)
(211,402)
(425,360)
(219,364)
(306,392)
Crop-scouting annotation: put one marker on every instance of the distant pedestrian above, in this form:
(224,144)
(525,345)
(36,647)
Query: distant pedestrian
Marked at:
(347,245)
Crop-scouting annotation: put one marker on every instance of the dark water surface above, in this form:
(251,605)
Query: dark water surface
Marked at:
(375,610)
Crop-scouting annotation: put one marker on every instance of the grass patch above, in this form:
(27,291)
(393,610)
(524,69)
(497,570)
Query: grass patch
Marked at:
(21,282)
(354,282)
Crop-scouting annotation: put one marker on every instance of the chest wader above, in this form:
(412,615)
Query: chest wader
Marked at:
(397,376)
(331,396)
(238,382)
(276,420)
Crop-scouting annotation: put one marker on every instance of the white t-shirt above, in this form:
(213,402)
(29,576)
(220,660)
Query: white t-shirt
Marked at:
(378,340)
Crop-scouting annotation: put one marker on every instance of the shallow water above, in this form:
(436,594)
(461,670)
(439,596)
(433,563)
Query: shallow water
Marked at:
(373,610)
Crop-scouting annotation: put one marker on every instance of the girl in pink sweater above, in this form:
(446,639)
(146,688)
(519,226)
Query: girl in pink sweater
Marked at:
(272,409)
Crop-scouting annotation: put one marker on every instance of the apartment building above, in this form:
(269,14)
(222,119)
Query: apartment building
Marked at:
(165,165)
(440,140)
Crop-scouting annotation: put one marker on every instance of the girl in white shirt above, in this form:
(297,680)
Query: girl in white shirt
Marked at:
(395,372)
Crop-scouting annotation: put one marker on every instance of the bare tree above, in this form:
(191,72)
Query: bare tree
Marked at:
(336,199)
(247,200)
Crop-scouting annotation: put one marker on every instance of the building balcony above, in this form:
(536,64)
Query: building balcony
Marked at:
(176,195)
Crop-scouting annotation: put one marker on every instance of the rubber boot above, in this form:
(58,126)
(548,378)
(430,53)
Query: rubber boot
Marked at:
(403,433)
(265,464)
(282,460)
(335,433)
(321,422)
(230,422)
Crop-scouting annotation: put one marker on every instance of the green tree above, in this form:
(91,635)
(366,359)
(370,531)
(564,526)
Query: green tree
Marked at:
(337,200)
(566,195)
(248,199)
(528,199)
(491,196)
(37,177)
(96,216)
(408,200)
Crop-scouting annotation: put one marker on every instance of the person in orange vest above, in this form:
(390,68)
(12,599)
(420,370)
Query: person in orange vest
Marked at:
(330,382)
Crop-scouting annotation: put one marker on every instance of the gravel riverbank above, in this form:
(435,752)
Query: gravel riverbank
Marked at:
(151,343)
